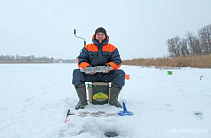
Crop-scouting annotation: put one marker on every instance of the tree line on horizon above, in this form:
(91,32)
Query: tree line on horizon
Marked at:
(192,45)
(32,58)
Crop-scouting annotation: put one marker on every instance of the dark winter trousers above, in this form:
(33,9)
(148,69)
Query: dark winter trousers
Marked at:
(117,77)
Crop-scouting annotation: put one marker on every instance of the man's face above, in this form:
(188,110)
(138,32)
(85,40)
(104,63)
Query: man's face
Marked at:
(100,37)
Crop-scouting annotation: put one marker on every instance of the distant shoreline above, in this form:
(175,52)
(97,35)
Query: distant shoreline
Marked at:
(31,63)
(203,61)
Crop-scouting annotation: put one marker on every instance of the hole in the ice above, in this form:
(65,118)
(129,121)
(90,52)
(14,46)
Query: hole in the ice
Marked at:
(110,133)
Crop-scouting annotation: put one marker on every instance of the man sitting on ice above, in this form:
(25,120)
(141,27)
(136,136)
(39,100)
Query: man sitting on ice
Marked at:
(99,53)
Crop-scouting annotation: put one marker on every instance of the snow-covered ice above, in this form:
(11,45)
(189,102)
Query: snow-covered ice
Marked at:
(34,99)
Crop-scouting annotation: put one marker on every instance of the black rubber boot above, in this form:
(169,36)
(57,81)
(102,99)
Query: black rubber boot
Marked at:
(81,91)
(115,90)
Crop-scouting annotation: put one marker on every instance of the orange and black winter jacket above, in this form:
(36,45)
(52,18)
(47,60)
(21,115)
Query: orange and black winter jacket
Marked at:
(98,54)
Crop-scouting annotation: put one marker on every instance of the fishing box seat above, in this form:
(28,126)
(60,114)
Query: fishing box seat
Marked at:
(99,92)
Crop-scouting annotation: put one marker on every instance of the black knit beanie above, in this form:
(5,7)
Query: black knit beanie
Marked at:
(100,29)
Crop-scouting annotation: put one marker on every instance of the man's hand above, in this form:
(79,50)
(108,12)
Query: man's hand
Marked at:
(107,70)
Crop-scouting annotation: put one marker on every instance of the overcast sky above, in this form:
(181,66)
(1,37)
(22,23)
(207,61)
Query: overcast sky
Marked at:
(138,28)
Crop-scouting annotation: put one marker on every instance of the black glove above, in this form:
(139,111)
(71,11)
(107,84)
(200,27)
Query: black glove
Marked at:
(89,66)
(107,65)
